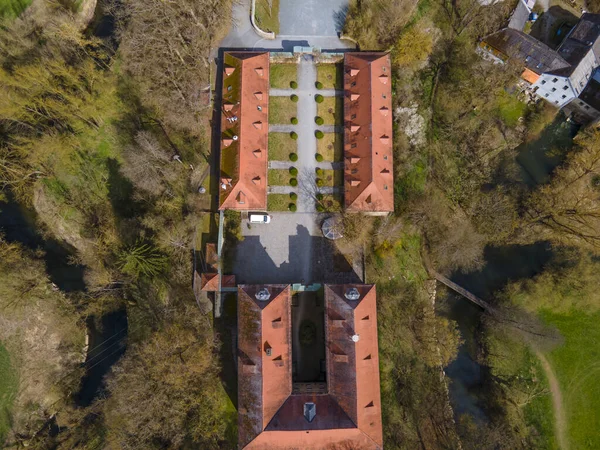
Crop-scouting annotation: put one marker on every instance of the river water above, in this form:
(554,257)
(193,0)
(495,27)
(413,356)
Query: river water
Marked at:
(537,159)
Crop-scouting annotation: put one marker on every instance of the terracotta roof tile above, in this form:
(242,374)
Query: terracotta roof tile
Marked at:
(244,128)
(349,414)
(368,127)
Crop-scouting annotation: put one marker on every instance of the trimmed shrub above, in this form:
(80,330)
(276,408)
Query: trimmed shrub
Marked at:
(293,157)
(319,157)
(293,85)
(320,182)
(293,171)
(319,98)
(294,98)
(293,195)
(320,208)
(294,120)
(319,120)
(294,135)
(292,207)
(320,196)
(293,182)
(319,172)
(319,85)
(319,134)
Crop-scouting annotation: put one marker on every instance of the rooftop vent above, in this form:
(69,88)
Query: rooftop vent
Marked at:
(310,411)
(263,295)
(352,294)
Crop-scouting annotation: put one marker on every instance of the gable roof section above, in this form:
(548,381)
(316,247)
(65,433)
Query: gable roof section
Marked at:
(524,49)
(270,416)
(354,383)
(582,38)
(264,377)
(244,129)
(368,159)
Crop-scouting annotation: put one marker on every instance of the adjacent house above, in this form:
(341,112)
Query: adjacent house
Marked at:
(566,77)
(244,131)
(308,373)
(368,158)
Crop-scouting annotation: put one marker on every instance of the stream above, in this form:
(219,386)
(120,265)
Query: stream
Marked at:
(536,159)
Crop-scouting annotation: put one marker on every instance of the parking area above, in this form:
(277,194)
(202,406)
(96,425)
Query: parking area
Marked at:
(290,249)
(312,17)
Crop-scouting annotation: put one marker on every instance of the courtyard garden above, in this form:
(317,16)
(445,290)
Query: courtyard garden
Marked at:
(330,76)
(283,76)
(282,110)
(281,147)
(329,202)
(282,177)
(331,147)
(267,15)
(282,202)
(329,178)
(331,109)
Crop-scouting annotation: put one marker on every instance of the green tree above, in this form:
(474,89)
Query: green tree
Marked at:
(142,260)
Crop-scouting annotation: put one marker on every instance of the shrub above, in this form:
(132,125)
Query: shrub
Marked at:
(294,98)
(293,85)
(294,120)
(292,207)
(319,134)
(293,195)
(320,208)
(293,171)
(319,85)
(294,135)
(293,157)
(319,120)
(320,196)
(319,157)
(320,182)
(293,182)
(319,98)
(319,172)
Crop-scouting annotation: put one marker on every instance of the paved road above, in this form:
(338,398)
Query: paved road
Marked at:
(243,36)
(312,17)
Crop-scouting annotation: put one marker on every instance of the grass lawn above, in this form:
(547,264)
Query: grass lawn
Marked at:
(10,9)
(331,75)
(281,110)
(333,177)
(278,202)
(577,366)
(280,146)
(510,109)
(332,110)
(267,18)
(331,147)
(8,390)
(280,177)
(332,202)
(282,74)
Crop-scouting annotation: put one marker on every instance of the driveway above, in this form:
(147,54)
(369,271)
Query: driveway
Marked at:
(327,19)
(290,249)
(312,17)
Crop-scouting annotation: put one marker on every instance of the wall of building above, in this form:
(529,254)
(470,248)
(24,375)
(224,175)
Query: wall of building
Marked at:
(582,73)
(554,89)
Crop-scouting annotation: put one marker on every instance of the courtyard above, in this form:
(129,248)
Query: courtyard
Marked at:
(305,140)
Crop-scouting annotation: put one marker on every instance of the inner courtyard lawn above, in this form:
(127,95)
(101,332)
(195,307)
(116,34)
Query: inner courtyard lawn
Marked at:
(278,202)
(331,147)
(281,145)
(281,75)
(281,110)
(279,177)
(331,110)
(332,178)
(330,75)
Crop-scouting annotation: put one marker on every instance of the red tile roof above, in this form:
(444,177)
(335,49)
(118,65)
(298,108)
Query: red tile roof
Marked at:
(210,281)
(244,130)
(349,414)
(368,158)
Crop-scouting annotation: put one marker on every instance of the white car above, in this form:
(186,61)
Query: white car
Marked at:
(259,218)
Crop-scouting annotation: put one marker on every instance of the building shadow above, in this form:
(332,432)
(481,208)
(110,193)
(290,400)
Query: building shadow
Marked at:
(288,45)
(553,26)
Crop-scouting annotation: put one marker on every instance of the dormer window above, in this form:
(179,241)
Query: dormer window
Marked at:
(555,80)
